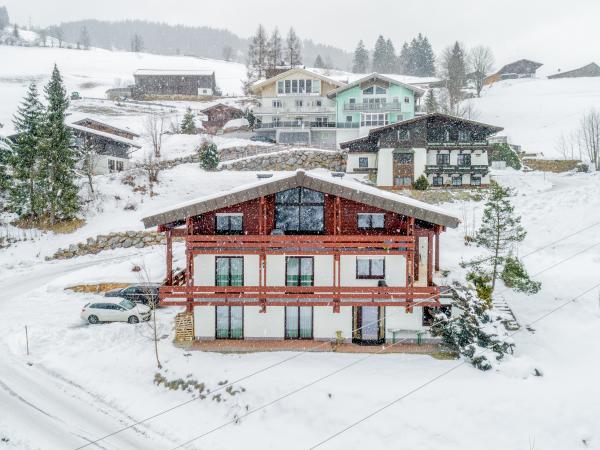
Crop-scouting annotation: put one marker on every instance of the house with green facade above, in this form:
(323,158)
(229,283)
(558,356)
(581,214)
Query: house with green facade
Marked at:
(372,101)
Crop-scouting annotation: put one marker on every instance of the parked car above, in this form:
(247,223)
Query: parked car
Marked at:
(118,310)
(262,138)
(75,95)
(146,294)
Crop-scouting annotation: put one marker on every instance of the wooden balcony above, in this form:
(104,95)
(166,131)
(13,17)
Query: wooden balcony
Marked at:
(373,107)
(475,168)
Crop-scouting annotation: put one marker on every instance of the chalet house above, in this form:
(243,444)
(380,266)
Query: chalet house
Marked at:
(523,68)
(591,70)
(449,150)
(190,83)
(370,102)
(112,146)
(305,256)
(294,108)
(218,115)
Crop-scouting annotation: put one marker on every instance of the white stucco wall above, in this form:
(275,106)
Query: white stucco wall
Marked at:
(395,271)
(420,161)
(204,322)
(268,325)
(385,167)
(352,161)
(326,323)
(100,164)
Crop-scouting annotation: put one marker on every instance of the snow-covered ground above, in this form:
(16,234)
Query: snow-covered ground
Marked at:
(82,382)
(535,112)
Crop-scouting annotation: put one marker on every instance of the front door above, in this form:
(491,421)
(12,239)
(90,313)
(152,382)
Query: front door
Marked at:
(368,324)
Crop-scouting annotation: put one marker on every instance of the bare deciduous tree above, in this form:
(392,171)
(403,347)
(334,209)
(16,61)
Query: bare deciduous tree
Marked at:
(589,136)
(567,146)
(89,162)
(481,60)
(155,128)
(151,166)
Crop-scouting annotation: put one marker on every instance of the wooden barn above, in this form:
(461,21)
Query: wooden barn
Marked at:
(218,115)
(523,68)
(188,83)
(591,70)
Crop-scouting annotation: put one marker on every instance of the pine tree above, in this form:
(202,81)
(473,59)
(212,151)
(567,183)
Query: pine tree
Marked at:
(391,61)
(257,55)
(455,72)
(431,104)
(477,333)
(137,44)
(499,232)
(25,196)
(209,156)
(361,58)
(319,64)
(293,49)
(84,38)
(188,126)
(274,49)
(5,155)
(16,34)
(4,19)
(425,58)
(421,184)
(57,164)
(405,60)
(380,55)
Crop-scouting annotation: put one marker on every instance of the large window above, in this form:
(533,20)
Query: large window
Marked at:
(229,322)
(298,87)
(299,210)
(457,180)
(475,181)
(443,159)
(375,90)
(464,159)
(363,162)
(404,158)
(368,221)
(403,181)
(229,223)
(373,119)
(299,271)
(430,312)
(229,271)
(298,322)
(438,181)
(370,268)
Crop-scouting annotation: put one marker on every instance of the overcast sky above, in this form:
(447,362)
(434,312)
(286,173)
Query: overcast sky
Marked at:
(558,33)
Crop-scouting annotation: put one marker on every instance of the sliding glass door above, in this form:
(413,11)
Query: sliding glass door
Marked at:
(229,319)
(299,271)
(368,325)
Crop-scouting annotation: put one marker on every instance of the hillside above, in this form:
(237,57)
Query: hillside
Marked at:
(534,112)
(94,71)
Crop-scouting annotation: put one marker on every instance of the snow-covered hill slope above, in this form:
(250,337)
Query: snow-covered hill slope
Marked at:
(534,112)
(94,71)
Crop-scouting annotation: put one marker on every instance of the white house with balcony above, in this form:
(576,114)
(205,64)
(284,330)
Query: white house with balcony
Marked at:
(294,108)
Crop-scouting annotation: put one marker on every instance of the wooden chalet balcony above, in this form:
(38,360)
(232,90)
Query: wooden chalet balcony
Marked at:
(483,169)
(300,245)
(387,106)
(457,143)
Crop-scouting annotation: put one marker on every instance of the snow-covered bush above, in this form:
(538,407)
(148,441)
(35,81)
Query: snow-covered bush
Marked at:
(477,334)
(209,156)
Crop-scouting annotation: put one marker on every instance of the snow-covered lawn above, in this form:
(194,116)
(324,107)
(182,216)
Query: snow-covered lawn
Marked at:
(87,381)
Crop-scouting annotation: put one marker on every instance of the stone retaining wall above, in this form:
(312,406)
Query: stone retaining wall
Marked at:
(291,160)
(128,239)
(551,165)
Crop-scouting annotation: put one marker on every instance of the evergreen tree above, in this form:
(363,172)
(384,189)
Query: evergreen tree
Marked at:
(455,72)
(188,126)
(477,333)
(319,64)
(293,49)
(516,277)
(380,55)
(137,44)
(4,19)
(209,156)
(25,197)
(391,61)
(421,184)
(431,104)
(5,155)
(425,58)
(361,58)
(16,34)
(84,38)
(499,232)
(257,55)
(503,152)
(57,165)
(275,50)
(405,60)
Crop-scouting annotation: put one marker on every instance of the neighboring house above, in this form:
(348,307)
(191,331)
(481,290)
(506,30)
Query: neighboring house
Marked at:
(523,68)
(112,146)
(294,108)
(449,150)
(372,101)
(191,83)
(119,93)
(306,256)
(591,70)
(218,115)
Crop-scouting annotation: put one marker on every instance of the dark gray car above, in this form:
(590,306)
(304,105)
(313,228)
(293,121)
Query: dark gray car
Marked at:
(146,294)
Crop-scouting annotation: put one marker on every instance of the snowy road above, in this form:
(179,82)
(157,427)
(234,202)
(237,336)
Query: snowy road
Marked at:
(44,407)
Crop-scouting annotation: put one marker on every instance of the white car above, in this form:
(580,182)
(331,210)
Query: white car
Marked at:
(117,310)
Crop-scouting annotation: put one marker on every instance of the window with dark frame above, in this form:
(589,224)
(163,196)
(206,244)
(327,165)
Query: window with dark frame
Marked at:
(457,180)
(370,221)
(229,320)
(229,223)
(363,162)
(404,158)
(443,159)
(403,181)
(438,181)
(430,312)
(299,271)
(475,181)
(299,211)
(464,159)
(370,268)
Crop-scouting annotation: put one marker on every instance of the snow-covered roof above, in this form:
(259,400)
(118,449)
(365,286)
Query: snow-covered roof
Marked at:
(89,119)
(301,70)
(345,188)
(372,77)
(173,72)
(103,134)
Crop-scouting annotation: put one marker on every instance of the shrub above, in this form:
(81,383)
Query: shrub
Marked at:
(421,184)
(209,156)
(503,152)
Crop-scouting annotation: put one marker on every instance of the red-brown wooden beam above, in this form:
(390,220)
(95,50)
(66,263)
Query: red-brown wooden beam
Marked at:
(437,249)
(409,305)
(169,234)
(430,258)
